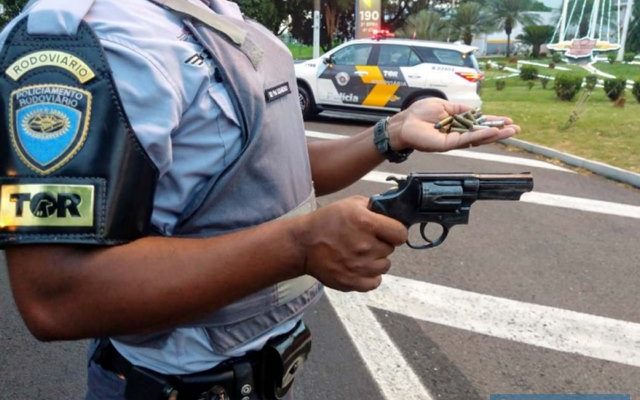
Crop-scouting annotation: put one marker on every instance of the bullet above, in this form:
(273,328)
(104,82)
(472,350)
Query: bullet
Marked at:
(443,122)
(467,123)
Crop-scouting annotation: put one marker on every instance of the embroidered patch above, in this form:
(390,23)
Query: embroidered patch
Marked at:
(51,58)
(46,205)
(277,92)
(49,124)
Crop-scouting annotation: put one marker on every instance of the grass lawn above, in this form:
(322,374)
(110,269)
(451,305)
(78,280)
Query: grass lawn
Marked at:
(620,70)
(301,51)
(603,132)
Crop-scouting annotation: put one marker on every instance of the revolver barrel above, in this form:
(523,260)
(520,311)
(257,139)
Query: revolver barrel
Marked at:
(504,187)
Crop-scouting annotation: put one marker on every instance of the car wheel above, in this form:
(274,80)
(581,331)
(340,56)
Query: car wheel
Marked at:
(307,103)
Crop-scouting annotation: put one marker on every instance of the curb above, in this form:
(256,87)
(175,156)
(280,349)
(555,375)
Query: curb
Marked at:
(599,168)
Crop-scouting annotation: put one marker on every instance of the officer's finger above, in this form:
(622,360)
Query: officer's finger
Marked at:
(454,108)
(367,284)
(389,230)
(503,133)
(456,140)
(376,268)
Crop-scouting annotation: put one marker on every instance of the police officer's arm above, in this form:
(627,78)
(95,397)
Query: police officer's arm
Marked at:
(338,163)
(69,292)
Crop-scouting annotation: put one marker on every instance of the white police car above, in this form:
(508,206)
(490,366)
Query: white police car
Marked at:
(387,76)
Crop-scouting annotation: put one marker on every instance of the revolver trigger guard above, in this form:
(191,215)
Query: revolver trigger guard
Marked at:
(428,242)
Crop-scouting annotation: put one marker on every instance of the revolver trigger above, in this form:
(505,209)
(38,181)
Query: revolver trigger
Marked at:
(429,243)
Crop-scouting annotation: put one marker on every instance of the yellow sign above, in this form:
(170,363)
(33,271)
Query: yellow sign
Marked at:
(39,205)
(51,58)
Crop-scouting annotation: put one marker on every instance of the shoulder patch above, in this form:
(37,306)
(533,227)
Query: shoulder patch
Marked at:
(48,124)
(51,58)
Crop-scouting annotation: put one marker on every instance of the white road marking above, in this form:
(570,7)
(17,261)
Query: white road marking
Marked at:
(577,203)
(395,378)
(543,326)
(505,159)
(546,199)
(466,154)
(547,327)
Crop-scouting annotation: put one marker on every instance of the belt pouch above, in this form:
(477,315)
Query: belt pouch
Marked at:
(282,358)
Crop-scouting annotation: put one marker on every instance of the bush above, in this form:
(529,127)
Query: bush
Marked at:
(544,82)
(528,73)
(629,56)
(556,58)
(552,65)
(500,84)
(590,82)
(636,89)
(612,58)
(567,86)
(614,88)
(501,66)
(530,84)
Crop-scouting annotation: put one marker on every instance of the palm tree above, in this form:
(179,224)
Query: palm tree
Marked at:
(508,13)
(470,19)
(536,36)
(426,25)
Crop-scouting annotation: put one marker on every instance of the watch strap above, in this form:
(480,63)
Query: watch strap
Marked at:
(381,141)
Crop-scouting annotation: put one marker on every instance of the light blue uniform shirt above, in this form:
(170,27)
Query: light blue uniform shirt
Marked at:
(185,120)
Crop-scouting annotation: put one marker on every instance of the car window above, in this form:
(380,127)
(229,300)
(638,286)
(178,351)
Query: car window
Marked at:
(397,56)
(414,59)
(447,57)
(358,54)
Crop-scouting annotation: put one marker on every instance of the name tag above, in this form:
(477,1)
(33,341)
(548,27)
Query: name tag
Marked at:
(277,92)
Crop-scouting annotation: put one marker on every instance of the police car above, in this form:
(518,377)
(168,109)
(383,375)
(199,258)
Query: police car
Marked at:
(387,76)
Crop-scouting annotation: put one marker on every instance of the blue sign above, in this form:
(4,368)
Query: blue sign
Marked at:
(560,397)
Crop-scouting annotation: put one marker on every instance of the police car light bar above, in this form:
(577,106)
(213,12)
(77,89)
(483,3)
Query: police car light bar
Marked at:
(378,34)
(471,76)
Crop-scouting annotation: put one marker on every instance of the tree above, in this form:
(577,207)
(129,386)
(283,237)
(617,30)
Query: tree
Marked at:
(425,25)
(536,36)
(470,19)
(397,12)
(11,9)
(508,13)
(332,10)
(268,13)
(633,37)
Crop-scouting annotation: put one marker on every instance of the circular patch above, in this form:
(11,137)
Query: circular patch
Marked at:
(342,78)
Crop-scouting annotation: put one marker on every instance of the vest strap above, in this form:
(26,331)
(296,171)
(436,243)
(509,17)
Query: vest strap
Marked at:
(212,20)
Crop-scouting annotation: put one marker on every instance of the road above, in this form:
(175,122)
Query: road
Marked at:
(537,296)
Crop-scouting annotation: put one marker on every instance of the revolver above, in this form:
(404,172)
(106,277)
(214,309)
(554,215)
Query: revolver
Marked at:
(445,199)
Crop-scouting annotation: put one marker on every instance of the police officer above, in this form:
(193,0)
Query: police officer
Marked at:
(158,193)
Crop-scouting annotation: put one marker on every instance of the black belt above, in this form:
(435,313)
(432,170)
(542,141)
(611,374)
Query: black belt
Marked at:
(267,374)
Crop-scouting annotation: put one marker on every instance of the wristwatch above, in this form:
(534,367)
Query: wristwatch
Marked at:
(381,140)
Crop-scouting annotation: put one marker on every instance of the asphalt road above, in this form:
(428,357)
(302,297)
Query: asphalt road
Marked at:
(527,298)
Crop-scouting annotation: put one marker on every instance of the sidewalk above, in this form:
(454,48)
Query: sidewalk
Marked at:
(596,167)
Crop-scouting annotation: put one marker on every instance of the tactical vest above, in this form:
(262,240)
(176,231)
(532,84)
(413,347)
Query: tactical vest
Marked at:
(270,179)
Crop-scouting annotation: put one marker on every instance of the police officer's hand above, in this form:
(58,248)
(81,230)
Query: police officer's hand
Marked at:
(347,245)
(414,128)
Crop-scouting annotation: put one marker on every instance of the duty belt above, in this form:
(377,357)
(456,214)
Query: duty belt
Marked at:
(261,375)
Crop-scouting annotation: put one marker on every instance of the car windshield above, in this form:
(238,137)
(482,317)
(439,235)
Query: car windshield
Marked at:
(447,57)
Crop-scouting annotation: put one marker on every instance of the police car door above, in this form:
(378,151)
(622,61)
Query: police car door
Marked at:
(342,82)
(397,74)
